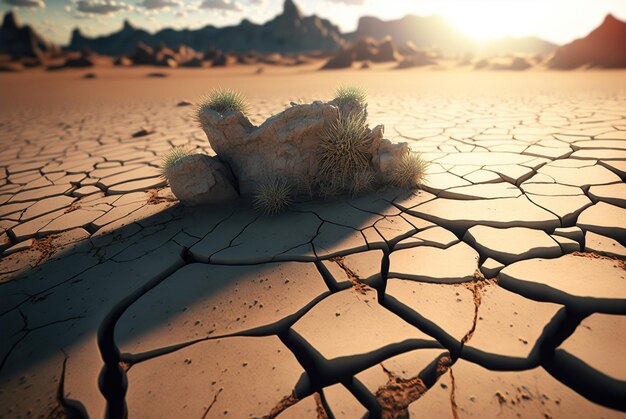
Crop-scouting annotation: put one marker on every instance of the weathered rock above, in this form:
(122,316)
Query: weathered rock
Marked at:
(123,62)
(286,145)
(224,60)
(144,55)
(385,153)
(418,59)
(516,64)
(342,59)
(364,49)
(201,179)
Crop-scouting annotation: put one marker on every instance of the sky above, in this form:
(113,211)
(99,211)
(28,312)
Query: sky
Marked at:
(559,21)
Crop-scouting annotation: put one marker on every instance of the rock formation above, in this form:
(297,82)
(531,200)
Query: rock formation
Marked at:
(417,59)
(341,59)
(604,47)
(365,49)
(515,64)
(23,41)
(201,179)
(285,145)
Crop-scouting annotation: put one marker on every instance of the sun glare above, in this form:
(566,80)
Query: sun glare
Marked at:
(489,19)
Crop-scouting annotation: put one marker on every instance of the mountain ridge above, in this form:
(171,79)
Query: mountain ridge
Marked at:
(603,47)
(288,32)
(292,32)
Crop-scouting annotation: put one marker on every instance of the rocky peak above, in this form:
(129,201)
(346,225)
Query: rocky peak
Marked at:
(127,26)
(291,11)
(610,20)
(611,30)
(10,22)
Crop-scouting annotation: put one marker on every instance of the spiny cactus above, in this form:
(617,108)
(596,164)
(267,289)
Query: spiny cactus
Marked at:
(350,95)
(362,182)
(273,196)
(172,157)
(409,171)
(222,101)
(344,148)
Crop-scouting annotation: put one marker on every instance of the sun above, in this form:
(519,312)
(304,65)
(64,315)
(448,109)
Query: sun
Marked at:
(491,19)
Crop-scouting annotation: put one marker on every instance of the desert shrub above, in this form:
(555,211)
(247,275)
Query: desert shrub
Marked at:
(222,101)
(345,148)
(409,171)
(172,157)
(362,182)
(350,95)
(273,196)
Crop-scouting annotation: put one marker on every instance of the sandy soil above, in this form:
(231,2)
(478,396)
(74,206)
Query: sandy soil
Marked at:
(113,85)
(497,290)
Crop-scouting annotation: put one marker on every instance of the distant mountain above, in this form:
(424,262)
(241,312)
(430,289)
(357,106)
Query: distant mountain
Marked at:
(604,47)
(430,32)
(509,45)
(435,33)
(21,40)
(290,31)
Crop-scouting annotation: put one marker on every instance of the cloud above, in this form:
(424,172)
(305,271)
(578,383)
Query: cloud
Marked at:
(27,4)
(224,5)
(158,4)
(100,7)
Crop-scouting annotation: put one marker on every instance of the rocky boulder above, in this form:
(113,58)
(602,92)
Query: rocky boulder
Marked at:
(123,62)
(200,179)
(285,145)
(386,52)
(224,60)
(144,55)
(341,59)
(417,59)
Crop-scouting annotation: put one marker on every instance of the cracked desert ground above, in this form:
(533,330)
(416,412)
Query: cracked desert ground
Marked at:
(499,290)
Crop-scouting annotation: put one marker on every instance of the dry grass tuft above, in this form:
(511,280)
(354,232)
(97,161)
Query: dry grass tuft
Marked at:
(273,196)
(350,95)
(222,101)
(362,182)
(409,172)
(345,149)
(172,157)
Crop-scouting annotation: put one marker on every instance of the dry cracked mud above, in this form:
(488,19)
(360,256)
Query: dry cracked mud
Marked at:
(497,290)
